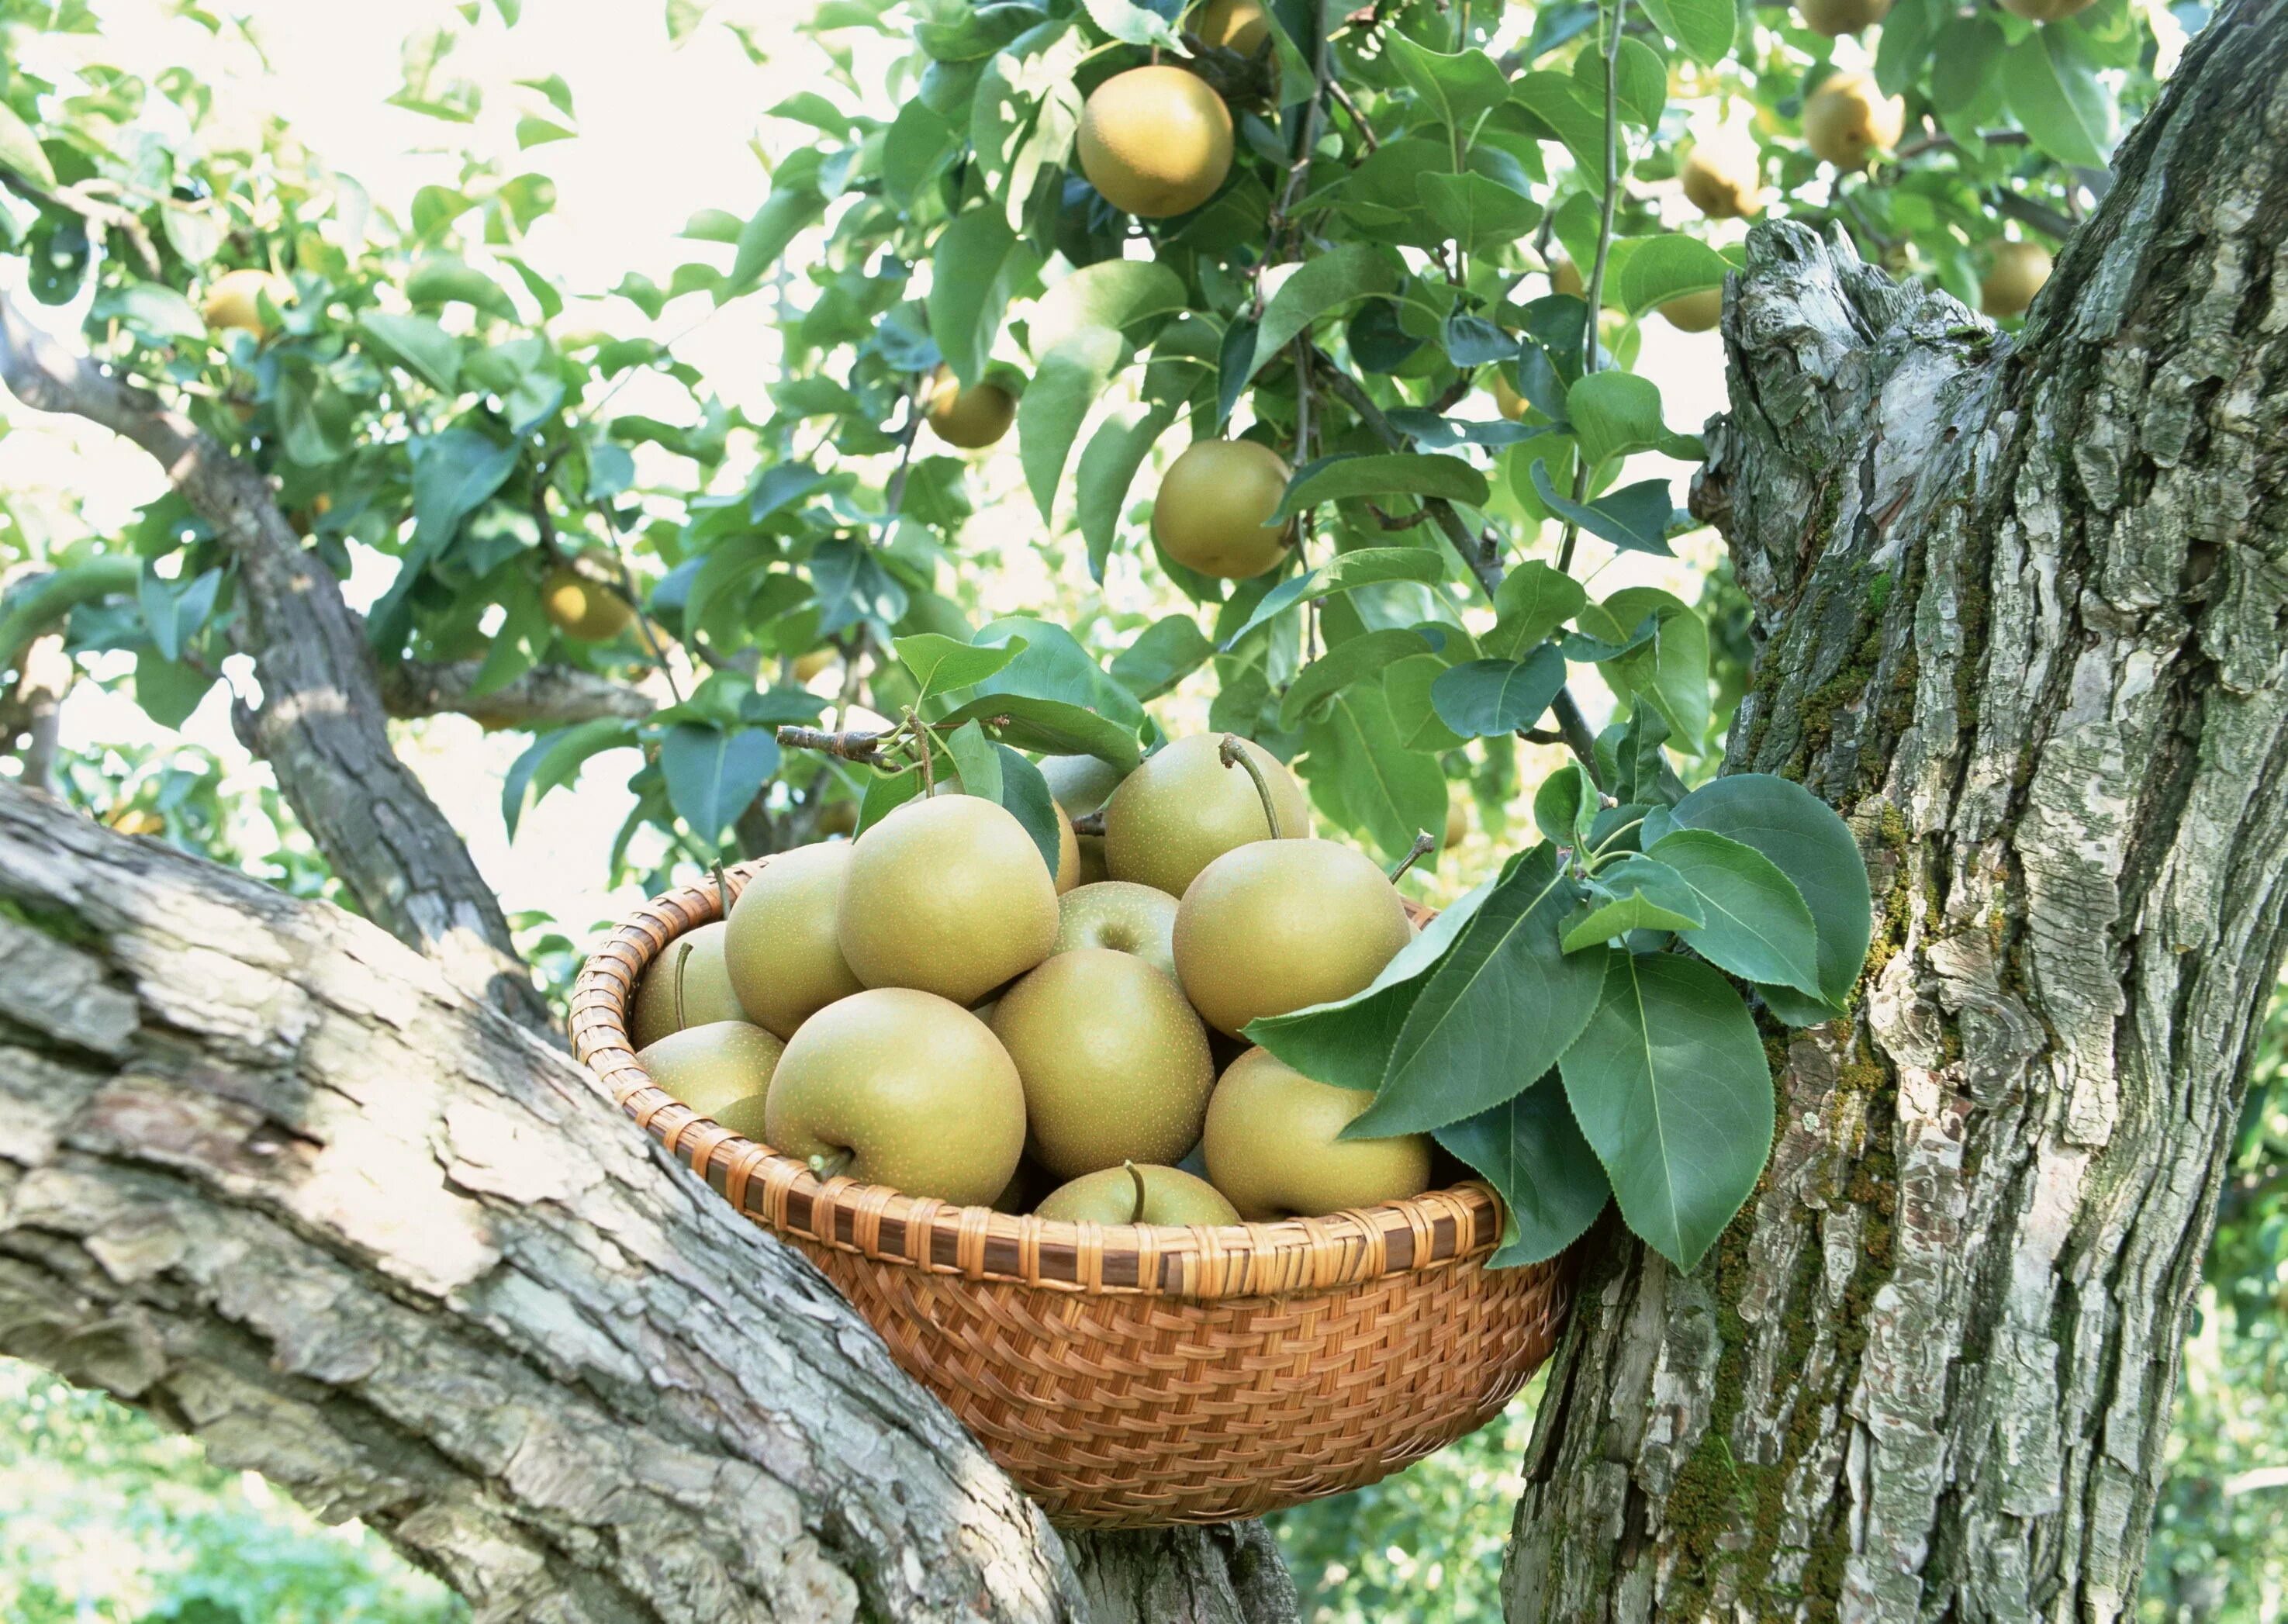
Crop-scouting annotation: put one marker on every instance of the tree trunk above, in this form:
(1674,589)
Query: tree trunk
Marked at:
(275,1179)
(2023,606)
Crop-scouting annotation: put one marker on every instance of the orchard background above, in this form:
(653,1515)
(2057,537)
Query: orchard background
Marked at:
(650,294)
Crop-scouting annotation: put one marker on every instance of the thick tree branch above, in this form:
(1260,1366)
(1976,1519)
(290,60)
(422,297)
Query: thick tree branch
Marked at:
(546,696)
(270,1176)
(321,726)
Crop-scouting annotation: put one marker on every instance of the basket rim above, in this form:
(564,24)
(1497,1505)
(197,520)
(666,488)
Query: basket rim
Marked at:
(1438,1229)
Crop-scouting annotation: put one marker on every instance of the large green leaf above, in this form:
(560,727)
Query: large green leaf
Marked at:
(1476,211)
(419,343)
(1532,601)
(1458,90)
(1166,651)
(1666,268)
(1391,792)
(21,151)
(1530,1150)
(1483,698)
(1406,686)
(1052,727)
(1809,843)
(1347,1043)
(1614,413)
(941,664)
(1669,672)
(1387,473)
(1633,519)
(1669,1083)
(970,277)
(1057,401)
(1634,893)
(1497,1012)
(1343,573)
(1346,662)
(1561,104)
(1320,286)
(1054,666)
(1702,28)
(1757,924)
(767,234)
(1025,793)
(1107,468)
(452,473)
(553,759)
(2057,99)
(712,774)
(1112,293)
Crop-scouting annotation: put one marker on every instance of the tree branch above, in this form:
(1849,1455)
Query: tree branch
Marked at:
(546,696)
(323,726)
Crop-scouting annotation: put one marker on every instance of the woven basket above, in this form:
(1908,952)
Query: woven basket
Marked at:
(1134,1377)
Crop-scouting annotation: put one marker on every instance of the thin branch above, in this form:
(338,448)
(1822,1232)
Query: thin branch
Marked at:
(1590,347)
(546,696)
(861,747)
(107,215)
(1367,137)
(2041,216)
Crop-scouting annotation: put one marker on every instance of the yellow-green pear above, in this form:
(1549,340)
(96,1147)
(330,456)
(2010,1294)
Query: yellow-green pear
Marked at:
(1080,784)
(1212,512)
(234,300)
(1124,917)
(783,945)
(689,985)
(1155,141)
(1115,1063)
(1133,1195)
(1848,120)
(1837,18)
(900,1088)
(1183,809)
(1458,823)
(1694,313)
(1723,177)
(1282,924)
(2016,276)
(1069,864)
(971,418)
(946,895)
(717,1066)
(1272,1147)
(582,607)
(1235,25)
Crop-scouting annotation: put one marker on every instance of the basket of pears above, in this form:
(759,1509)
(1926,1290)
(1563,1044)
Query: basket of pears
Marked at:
(1004,1106)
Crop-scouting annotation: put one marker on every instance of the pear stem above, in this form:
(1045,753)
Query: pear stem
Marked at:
(832,1165)
(1136,1216)
(682,957)
(922,737)
(1233,755)
(1424,845)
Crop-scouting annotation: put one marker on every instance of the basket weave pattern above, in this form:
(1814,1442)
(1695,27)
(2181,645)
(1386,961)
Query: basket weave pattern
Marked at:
(1134,1375)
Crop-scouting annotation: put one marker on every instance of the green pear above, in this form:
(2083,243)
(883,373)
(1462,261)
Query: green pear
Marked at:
(1125,917)
(901,1088)
(1133,1195)
(947,895)
(1080,783)
(781,945)
(717,1068)
(1272,1146)
(1115,1066)
(1282,924)
(1183,809)
(689,985)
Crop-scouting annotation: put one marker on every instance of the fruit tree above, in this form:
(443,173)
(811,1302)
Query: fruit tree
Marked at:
(1929,865)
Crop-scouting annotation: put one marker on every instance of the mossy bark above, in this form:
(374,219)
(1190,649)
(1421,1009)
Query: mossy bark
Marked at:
(2023,608)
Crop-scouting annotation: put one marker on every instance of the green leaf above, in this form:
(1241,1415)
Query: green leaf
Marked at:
(886,792)
(418,344)
(1346,1043)
(168,689)
(1757,924)
(1169,650)
(1666,268)
(712,775)
(156,309)
(553,87)
(1963,59)
(1054,666)
(1640,88)
(174,611)
(1530,1150)
(452,473)
(1392,792)
(1457,91)
(1131,23)
(1671,1088)
(1387,473)
(1809,843)
(1532,601)
(940,664)
(1702,28)
(534,131)
(1025,793)
(1052,727)
(974,760)
(21,151)
(1614,413)
(1496,1013)
(1908,28)
(1406,686)
(1108,468)
(1671,672)
(1346,662)
(1559,102)
(1057,401)
(1112,294)
(767,234)
(1566,804)
(1640,895)
(969,289)
(2057,99)
(1319,287)
(1477,212)
(1633,519)
(553,759)
(1343,573)
(443,279)
(1483,698)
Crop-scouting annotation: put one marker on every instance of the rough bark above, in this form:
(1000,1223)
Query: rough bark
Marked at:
(545,696)
(273,1178)
(321,726)
(2024,607)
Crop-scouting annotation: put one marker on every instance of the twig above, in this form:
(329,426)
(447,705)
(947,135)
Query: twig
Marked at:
(1590,348)
(2041,216)
(95,212)
(1367,135)
(1089,823)
(1424,845)
(863,748)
